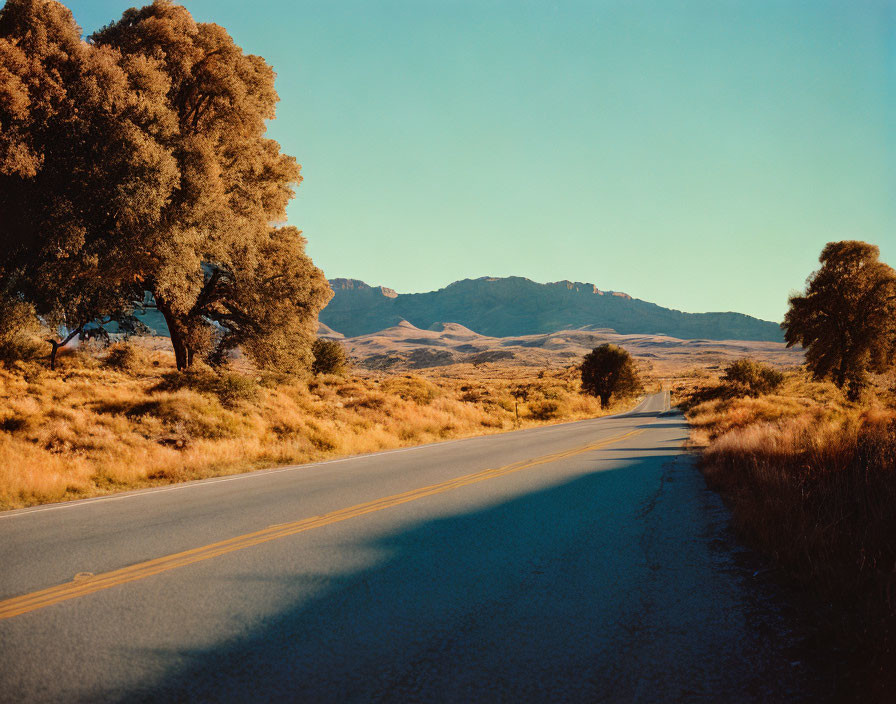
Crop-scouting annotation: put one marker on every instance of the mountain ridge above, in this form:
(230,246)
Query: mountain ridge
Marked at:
(515,305)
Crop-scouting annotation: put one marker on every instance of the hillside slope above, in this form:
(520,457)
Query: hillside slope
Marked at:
(504,307)
(405,346)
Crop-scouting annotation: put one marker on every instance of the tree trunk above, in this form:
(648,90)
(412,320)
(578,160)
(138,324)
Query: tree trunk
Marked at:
(53,353)
(840,377)
(61,343)
(183,357)
(604,400)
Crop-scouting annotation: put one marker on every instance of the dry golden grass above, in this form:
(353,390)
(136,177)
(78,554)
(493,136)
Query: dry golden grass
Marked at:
(123,418)
(811,480)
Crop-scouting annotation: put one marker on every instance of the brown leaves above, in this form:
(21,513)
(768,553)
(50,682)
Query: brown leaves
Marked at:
(141,156)
(81,170)
(217,259)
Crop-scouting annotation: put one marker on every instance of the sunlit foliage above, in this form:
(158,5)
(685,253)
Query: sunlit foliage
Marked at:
(846,318)
(137,161)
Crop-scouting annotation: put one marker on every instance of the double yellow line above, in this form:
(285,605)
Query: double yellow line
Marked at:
(82,586)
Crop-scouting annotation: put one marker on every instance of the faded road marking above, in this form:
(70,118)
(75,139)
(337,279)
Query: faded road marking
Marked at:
(84,585)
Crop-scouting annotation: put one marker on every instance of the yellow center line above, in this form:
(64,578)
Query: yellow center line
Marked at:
(83,584)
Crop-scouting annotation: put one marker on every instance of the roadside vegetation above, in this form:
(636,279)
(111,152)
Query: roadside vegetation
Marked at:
(807,459)
(123,417)
(810,477)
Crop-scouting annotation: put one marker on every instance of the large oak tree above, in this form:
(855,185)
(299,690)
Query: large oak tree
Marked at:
(83,173)
(219,273)
(138,161)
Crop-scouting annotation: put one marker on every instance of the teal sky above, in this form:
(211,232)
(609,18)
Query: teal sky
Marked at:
(694,154)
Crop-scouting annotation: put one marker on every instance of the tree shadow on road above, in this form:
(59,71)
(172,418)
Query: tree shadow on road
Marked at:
(616,585)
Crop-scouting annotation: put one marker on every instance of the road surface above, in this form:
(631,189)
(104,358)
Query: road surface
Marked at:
(577,562)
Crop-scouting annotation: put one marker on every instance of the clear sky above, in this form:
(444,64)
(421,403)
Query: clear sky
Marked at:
(694,154)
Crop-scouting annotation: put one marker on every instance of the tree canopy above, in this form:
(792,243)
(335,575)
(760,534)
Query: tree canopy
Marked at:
(82,172)
(608,371)
(137,161)
(846,317)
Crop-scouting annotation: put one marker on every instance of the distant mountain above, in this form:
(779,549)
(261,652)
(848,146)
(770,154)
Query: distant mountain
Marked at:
(505,307)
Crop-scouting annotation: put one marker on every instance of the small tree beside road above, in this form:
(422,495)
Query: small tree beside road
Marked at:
(609,371)
(846,318)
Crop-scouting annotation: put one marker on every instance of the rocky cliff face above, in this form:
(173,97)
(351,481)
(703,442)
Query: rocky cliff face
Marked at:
(584,288)
(503,307)
(359,286)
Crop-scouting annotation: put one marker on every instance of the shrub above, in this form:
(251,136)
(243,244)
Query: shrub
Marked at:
(125,357)
(190,417)
(543,410)
(373,401)
(555,393)
(751,377)
(329,357)
(19,330)
(506,403)
(411,388)
(228,387)
(276,379)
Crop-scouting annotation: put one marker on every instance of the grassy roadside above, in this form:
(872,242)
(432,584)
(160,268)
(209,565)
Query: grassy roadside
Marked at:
(811,481)
(123,418)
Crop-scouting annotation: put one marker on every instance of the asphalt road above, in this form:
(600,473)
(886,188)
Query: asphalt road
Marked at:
(578,562)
